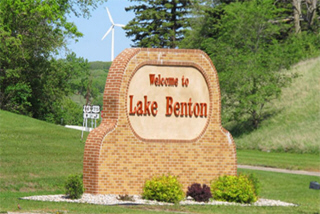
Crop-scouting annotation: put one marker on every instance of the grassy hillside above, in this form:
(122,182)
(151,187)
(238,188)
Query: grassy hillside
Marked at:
(35,155)
(295,117)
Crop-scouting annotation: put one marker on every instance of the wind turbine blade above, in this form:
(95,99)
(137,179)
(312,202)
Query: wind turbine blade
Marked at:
(119,25)
(107,32)
(111,20)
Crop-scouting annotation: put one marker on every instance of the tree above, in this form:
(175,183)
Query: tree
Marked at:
(251,78)
(243,45)
(249,43)
(205,23)
(158,23)
(32,81)
(305,11)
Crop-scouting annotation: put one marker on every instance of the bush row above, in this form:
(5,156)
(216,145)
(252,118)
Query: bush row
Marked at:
(167,188)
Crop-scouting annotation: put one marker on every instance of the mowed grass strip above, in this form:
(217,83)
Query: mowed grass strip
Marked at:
(277,186)
(292,161)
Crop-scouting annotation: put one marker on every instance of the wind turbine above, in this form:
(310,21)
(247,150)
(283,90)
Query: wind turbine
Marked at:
(111,29)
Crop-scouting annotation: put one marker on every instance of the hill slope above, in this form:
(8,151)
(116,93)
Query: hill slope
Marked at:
(35,154)
(294,127)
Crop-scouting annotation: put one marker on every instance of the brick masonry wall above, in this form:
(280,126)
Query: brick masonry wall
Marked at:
(117,161)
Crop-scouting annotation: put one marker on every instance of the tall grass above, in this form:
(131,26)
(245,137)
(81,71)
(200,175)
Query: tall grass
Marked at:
(295,120)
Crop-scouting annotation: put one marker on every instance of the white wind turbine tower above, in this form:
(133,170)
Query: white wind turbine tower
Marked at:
(111,29)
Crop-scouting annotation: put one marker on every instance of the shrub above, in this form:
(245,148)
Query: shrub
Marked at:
(199,193)
(165,188)
(234,189)
(74,186)
(255,182)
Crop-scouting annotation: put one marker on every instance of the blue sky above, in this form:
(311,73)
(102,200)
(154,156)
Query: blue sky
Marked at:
(90,45)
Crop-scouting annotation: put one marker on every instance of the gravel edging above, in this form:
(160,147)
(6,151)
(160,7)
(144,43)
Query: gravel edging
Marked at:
(112,200)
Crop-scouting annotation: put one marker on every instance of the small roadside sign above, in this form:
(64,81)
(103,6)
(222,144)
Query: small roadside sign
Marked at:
(86,109)
(90,116)
(90,112)
(95,109)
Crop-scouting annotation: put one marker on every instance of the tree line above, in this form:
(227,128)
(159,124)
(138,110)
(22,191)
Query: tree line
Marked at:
(32,81)
(250,42)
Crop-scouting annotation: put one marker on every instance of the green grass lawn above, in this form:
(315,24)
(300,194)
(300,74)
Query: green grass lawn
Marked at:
(277,186)
(36,157)
(308,162)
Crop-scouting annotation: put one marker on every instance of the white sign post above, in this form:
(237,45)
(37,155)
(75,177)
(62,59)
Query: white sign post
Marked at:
(95,114)
(90,112)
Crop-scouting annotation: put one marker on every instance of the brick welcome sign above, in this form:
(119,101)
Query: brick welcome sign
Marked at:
(161,114)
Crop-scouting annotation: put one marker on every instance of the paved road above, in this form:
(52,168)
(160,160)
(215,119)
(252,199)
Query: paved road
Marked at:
(299,172)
